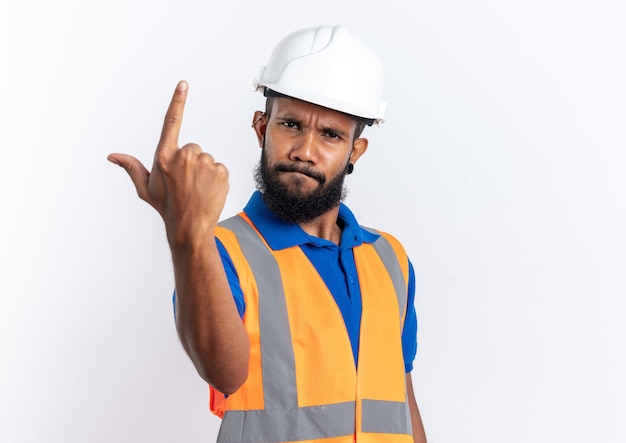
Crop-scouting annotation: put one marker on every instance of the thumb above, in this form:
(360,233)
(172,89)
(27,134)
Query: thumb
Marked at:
(135,169)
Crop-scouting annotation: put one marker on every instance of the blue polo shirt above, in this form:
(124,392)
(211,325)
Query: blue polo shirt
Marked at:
(334,263)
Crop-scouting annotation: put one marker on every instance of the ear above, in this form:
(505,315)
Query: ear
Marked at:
(259,124)
(358,149)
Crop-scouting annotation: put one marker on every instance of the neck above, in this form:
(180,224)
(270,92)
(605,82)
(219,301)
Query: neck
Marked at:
(325,226)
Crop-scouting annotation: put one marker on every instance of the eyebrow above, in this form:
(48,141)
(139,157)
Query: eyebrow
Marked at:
(339,132)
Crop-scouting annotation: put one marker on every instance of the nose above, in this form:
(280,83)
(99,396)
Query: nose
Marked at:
(304,148)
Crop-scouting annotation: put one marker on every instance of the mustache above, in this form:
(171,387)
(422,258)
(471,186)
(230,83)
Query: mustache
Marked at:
(306,171)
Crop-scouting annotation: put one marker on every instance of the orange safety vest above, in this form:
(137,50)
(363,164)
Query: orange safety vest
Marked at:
(302,383)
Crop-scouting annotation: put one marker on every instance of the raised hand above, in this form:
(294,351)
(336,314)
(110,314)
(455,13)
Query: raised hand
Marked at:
(186,186)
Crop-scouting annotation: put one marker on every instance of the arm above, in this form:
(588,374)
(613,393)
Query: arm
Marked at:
(419,436)
(207,320)
(188,189)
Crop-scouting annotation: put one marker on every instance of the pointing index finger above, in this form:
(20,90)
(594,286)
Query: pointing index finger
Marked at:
(173,119)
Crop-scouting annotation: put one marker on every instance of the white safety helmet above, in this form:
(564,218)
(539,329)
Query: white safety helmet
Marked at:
(330,67)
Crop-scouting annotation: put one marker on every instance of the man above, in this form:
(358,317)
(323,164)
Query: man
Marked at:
(301,321)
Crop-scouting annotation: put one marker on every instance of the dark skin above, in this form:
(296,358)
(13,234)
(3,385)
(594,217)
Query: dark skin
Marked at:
(188,189)
(310,137)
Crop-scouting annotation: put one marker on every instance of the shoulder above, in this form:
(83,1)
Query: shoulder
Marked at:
(385,236)
(226,230)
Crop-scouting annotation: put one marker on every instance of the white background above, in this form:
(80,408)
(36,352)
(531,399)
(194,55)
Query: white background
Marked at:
(501,168)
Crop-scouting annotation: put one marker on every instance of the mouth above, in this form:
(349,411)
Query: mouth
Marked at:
(306,172)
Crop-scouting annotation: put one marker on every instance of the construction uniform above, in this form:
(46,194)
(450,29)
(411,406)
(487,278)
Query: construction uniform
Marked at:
(332,332)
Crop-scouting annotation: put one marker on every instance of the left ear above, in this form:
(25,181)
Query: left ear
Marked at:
(358,149)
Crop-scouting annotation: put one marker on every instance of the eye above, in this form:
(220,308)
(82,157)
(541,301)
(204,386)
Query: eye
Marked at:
(291,124)
(331,134)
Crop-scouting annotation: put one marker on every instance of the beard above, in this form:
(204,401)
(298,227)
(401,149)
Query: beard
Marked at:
(297,206)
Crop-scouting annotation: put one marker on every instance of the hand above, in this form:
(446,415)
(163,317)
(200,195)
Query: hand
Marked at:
(186,186)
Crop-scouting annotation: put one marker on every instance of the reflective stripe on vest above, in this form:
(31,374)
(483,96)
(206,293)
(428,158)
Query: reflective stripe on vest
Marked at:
(390,260)
(282,419)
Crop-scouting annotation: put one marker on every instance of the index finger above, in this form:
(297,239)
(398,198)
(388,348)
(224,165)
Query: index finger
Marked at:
(173,120)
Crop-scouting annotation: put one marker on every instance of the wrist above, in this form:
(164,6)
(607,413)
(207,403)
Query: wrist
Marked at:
(185,239)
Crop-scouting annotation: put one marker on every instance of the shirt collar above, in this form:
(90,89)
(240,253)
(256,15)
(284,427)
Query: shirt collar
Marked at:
(281,235)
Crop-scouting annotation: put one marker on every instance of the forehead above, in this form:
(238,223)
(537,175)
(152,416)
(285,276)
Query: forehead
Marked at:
(294,108)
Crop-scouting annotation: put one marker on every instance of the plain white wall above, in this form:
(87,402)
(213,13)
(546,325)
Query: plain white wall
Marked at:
(501,168)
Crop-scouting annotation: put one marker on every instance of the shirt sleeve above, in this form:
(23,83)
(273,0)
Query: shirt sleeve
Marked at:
(409,332)
(233,280)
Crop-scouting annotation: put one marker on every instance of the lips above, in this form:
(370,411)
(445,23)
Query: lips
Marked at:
(304,171)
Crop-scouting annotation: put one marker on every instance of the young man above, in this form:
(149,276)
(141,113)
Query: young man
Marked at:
(301,321)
